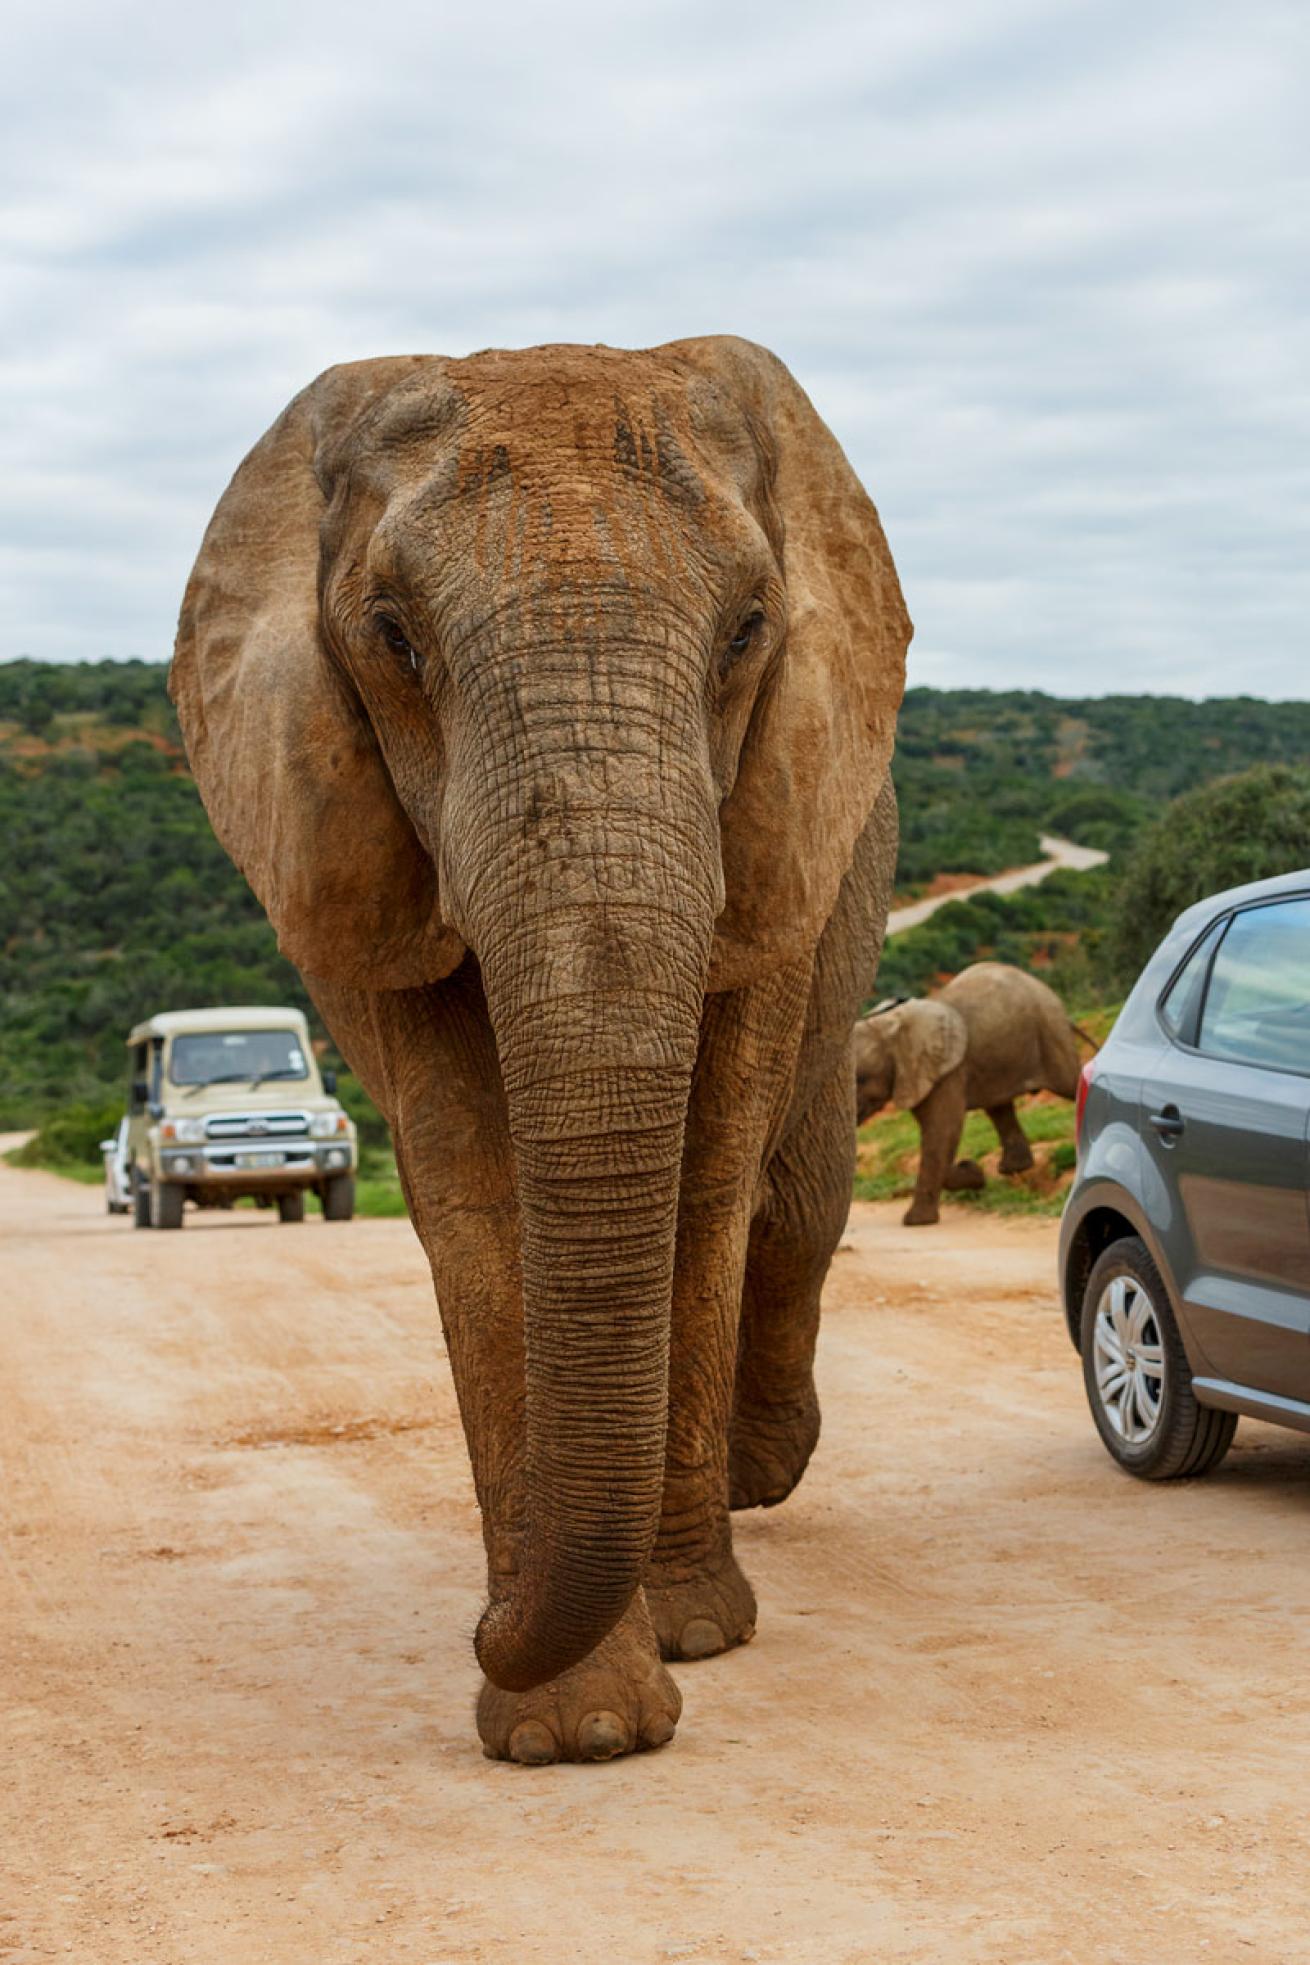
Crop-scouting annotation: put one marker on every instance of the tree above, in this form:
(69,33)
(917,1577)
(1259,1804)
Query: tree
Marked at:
(1249,827)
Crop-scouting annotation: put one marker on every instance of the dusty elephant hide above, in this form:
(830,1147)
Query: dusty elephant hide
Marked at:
(546,699)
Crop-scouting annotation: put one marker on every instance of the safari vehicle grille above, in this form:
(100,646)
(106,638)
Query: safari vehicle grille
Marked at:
(258,1125)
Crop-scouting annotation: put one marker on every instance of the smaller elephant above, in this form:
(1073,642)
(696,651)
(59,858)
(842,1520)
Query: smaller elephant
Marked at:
(992,1034)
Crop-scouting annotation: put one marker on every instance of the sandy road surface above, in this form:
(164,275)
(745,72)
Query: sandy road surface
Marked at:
(1003,1705)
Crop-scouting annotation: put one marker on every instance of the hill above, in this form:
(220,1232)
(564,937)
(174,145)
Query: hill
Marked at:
(115,899)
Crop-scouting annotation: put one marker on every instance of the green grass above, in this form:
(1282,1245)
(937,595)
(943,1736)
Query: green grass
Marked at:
(888,1157)
(21,1156)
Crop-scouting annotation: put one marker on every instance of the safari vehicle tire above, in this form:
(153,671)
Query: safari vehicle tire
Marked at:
(1135,1370)
(339,1197)
(291,1207)
(166,1199)
(140,1202)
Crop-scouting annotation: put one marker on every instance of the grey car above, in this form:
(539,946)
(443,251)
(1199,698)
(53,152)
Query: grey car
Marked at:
(1185,1242)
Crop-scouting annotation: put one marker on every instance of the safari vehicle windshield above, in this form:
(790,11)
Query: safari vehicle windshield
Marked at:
(230,1057)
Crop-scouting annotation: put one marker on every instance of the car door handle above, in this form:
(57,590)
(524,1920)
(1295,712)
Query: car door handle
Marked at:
(1168,1122)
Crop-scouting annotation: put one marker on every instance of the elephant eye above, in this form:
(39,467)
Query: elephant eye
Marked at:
(394,636)
(747,630)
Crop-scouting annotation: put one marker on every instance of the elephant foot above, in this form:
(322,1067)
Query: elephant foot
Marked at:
(920,1214)
(619,1700)
(698,1616)
(1016,1159)
(770,1448)
(966,1176)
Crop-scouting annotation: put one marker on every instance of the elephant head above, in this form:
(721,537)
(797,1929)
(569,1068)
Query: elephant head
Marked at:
(902,1052)
(584,664)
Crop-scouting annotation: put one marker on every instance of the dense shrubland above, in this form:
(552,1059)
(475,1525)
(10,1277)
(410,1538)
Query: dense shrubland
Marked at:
(115,899)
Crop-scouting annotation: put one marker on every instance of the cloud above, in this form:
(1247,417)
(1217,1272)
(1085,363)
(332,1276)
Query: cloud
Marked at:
(1041,267)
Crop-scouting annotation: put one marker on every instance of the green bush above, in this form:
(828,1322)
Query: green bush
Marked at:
(70,1137)
(1248,827)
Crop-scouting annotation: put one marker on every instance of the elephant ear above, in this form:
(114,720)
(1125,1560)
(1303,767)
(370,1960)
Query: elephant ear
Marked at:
(820,742)
(931,1039)
(285,761)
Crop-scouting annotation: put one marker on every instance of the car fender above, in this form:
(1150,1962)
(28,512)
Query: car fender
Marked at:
(1118,1180)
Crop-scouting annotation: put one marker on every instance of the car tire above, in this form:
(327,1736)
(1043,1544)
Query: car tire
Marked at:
(166,1199)
(291,1207)
(339,1197)
(1135,1370)
(140,1202)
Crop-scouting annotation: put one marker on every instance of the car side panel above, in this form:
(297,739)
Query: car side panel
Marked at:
(1239,1239)
(1116,1173)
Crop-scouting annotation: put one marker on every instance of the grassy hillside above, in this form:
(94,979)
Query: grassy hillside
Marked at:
(980,774)
(115,899)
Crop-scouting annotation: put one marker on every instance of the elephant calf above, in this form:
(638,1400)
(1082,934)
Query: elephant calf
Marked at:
(992,1034)
(546,699)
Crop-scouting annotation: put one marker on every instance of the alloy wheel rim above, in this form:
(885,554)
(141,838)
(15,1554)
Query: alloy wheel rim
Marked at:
(1128,1359)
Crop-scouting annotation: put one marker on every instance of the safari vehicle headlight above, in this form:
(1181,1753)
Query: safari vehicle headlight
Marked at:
(187,1132)
(326,1125)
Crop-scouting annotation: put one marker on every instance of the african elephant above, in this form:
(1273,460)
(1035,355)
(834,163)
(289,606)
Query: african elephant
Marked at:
(992,1034)
(546,700)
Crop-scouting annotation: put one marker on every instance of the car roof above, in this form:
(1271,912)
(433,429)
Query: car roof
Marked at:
(245,1016)
(1253,890)
(1139,1008)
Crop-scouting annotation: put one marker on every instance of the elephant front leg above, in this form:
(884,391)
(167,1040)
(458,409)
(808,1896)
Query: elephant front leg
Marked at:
(452,1141)
(804,1209)
(941,1121)
(1016,1154)
(699,1598)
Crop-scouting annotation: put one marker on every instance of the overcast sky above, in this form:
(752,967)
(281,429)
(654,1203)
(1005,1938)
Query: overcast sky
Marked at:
(1042,267)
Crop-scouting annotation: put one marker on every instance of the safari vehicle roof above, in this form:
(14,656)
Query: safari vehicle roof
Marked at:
(246,1016)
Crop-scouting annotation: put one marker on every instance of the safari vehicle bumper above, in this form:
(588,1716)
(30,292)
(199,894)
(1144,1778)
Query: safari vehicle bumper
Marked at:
(296,1164)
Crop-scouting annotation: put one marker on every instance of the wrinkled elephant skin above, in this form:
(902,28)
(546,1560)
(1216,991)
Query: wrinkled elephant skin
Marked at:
(546,699)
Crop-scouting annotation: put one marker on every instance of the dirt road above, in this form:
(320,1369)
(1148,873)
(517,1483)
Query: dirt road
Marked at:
(1060,854)
(1004,1704)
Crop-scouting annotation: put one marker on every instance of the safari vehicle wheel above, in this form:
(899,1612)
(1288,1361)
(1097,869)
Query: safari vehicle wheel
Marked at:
(166,1199)
(1135,1369)
(291,1207)
(140,1202)
(338,1197)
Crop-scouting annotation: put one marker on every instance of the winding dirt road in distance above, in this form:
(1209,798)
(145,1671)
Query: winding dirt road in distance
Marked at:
(1004,1704)
(1060,853)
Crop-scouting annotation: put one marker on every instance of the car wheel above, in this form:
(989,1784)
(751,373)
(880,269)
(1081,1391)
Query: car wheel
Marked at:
(291,1207)
(338,1197)
(166,1199)
(140,1202)
(1135,1369)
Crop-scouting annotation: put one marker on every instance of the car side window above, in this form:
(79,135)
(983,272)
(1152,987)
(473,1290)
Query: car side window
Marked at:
(1257,1007)
(1181,1008)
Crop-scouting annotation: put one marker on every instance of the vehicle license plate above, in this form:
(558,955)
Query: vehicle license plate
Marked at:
(260,1159)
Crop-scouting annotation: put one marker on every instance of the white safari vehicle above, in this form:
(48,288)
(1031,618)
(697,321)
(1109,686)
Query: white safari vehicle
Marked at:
(118,1171)
(226,1103)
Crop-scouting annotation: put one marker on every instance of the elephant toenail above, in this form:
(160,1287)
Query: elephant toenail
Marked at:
(659,1731)
(601,1736)
(533,1744)
(701,1638)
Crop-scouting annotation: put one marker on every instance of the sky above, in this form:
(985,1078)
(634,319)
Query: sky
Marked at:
(1042,267)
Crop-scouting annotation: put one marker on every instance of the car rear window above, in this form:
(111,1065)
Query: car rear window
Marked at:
(1257,1007)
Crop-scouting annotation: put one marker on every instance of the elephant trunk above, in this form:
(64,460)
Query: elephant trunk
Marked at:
(593,934)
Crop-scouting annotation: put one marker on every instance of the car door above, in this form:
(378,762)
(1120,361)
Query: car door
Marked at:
(1226,1121)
